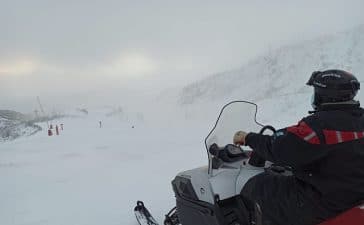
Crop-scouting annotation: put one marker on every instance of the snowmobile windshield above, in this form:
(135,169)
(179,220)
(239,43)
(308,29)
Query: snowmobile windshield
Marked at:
(234,116)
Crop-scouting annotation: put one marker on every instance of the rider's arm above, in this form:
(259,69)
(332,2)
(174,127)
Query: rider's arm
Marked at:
(261,144)
(294,146)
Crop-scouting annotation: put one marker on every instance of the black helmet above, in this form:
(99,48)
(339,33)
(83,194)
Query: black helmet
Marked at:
(332,86)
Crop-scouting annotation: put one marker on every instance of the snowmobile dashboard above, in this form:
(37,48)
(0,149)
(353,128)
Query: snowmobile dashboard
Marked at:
(230,153)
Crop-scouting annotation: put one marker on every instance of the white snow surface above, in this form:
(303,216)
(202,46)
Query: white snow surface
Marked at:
(91,176)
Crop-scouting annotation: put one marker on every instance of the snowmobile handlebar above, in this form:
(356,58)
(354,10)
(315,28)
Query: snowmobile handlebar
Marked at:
(268,127)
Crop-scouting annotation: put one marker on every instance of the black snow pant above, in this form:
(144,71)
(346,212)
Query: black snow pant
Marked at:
(284,200)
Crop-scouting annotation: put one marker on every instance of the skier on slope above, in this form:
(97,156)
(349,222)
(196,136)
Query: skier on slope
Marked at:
(325,151)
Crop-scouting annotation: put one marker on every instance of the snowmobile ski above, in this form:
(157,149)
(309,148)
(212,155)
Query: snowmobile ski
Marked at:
(143,216)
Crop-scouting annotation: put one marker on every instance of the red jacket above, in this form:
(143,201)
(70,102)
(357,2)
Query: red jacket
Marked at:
(325,150)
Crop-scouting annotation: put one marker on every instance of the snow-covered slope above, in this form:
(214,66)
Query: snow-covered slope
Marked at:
(90,175)
(281,74)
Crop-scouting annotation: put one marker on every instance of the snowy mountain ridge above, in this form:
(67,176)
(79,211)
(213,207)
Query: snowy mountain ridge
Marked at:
(282,71)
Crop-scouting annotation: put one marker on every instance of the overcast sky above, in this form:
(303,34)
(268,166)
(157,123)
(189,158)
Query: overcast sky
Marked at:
(62,49)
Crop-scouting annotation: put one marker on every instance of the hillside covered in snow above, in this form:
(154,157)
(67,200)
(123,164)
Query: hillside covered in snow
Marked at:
(281,74)
(14,125)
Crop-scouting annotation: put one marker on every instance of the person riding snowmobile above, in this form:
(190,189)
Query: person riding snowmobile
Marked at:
(325,151)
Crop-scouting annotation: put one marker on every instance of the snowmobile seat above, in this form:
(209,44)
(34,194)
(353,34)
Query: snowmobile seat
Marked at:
(354,216)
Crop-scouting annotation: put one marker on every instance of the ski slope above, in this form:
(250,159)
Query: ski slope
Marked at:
(90,175)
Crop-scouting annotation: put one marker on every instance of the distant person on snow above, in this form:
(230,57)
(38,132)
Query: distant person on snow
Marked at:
(325,151)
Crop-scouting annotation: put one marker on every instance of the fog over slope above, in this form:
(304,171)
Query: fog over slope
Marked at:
(275,81)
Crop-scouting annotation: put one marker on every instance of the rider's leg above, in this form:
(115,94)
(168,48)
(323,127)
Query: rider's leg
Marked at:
(283,200)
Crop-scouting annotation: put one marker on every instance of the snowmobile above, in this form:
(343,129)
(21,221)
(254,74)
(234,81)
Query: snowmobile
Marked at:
(210,195)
